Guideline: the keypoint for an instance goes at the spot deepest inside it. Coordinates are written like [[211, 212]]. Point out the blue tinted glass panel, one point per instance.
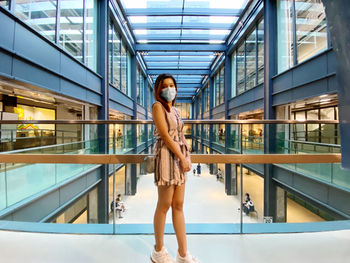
[[4, 3], [311, 28], [284, 35], [71, 27], [261, 52], [155, 19], [40, 14], [91, 34]]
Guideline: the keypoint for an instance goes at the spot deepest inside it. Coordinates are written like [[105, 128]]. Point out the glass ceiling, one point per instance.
[[174, 22]]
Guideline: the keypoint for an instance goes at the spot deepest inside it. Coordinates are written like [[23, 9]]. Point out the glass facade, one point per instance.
[[260, 44], [233, 74], [251, 60], [285, 49], [206, 98], [71, 27], [76, 23], [39, 14], [5, 3], [140, 87], [240, 69], [302, 31], [319, 133], [247, 68], [124, 68], [311, 28], [119, 62], [91, 34], [184, 109], [219, 87]]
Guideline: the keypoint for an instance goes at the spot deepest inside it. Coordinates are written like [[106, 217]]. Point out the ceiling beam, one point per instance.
[[178, 37], [161, 26], [184, 85], [179, 12], [181, 47], [186, 90], [167, 58], [179, 71]]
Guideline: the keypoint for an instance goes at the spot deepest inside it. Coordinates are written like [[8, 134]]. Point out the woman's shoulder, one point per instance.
[[157, 104]]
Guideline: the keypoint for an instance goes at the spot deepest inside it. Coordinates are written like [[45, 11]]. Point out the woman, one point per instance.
[[171, 162]]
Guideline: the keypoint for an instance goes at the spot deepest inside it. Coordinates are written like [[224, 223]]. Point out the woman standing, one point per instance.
[[171, 162]]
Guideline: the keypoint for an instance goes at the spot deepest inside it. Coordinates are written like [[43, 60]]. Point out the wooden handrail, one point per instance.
[[196, 158]]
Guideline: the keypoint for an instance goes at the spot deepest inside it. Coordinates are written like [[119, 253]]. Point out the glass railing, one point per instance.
[[64, 179]]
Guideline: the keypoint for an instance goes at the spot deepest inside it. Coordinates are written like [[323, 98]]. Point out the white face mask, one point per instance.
[[168, 94]]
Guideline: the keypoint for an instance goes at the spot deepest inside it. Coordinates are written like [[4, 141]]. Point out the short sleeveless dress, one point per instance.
[[167, 165]]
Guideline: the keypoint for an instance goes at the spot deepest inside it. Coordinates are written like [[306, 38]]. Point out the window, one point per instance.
[[115, 58], [284, 35], [248, 62], [260, 42], [311, 28], [206, 98], [91, 35], [140, 89], [222, 86], [251, 60], [124, 69], [240, 69], [71, 27], [5, 3], [40, 14], [233, 74], [309, 35]]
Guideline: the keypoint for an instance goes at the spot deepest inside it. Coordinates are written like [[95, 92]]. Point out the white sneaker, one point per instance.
[[187, 259], [161, 256]]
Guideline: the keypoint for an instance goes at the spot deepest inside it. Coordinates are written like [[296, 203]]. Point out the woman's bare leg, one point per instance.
[[179, 219], [165, 197]]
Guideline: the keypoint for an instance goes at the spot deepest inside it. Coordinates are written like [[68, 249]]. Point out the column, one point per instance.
[[131, 169], [270, 38], [338, 21], [281, 205], [103, 111], [92, 207], [211, 106]]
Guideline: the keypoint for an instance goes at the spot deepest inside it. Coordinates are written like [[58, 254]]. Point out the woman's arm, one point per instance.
[[160, 123]]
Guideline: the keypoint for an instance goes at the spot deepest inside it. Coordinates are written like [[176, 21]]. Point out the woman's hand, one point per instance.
[[184, 165]]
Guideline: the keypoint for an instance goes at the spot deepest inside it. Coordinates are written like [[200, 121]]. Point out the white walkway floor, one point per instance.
[[322, 247], [205, 202]]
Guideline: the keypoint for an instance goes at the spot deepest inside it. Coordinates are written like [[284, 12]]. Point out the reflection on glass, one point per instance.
[[233, 74], [284, 35], [114, 57], [5, 3], [40, 14], [124, 69], [91, 34], [251, 60], [261, 52], [184, 109], [311, 28], [71, 27], [140, 86], [240, 69], [222, 85]]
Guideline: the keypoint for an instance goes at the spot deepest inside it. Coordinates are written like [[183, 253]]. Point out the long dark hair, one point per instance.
[[158, 88]]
